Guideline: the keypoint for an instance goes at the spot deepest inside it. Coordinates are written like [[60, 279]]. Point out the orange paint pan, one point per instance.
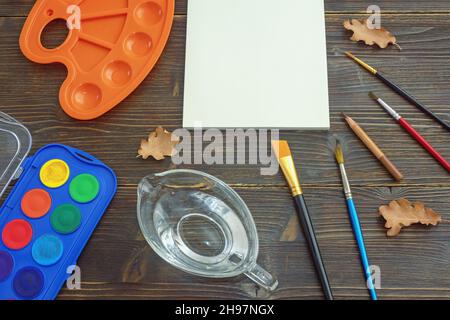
[[111, 47]]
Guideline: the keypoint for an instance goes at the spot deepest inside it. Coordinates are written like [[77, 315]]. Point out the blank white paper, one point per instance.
[[256, 64]]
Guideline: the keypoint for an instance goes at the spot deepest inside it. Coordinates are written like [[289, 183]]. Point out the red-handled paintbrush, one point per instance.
[[410, 129]]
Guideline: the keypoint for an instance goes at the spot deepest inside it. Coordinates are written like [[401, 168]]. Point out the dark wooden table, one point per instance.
[[117, 263]]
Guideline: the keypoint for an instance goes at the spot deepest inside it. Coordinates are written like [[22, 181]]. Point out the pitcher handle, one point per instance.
[[263, 278]]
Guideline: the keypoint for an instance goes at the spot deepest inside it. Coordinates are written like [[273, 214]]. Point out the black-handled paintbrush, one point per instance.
[[284, 156], [402, 92]]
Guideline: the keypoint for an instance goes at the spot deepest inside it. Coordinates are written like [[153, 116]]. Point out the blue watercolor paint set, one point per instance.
[[50, 214]]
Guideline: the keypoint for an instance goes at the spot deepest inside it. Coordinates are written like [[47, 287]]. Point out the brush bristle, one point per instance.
[[281, 148], [339, 153], [373, 96]]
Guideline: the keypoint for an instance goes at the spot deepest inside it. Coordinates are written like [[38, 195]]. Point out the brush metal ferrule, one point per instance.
[[345, 182], [288, 167], [389, 109], [362, 63]]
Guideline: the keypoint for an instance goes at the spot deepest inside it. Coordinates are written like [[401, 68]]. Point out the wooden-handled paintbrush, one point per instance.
[[372, 146], [286, 161], [355, 221]]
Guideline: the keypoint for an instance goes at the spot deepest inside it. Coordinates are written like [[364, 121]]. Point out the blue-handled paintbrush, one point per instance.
[[355, 221]]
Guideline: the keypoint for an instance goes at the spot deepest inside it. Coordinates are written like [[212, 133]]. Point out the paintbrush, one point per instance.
[[372, 146], [399, 90], [284, 156], [355, 221], [410, 129]]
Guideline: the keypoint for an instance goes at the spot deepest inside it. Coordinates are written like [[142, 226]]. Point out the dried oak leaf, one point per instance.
[[362, 32], [402, 213], [159, 144]]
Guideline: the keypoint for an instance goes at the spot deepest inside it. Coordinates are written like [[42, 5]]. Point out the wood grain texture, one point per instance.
[[20, 8], [414, 265]]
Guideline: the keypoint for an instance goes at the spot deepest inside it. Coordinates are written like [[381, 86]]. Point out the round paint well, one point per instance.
[[17, 234], [148, 13], [87, 96], [36, 203], [54, 173], [6, 265], [138, 44], [47, 250], [66, 219], [84, 188], [117, 73], [28, 283]]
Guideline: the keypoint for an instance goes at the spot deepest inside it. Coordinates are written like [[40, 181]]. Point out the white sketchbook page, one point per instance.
[[256, 63]]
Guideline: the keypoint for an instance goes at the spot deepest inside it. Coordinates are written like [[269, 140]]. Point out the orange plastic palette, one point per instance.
[[117, 44]]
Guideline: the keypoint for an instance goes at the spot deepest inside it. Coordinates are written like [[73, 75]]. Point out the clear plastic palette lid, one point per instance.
[[15, 142]]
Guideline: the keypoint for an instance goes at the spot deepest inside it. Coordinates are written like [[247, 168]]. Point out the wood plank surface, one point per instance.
[[22, 7], [414, 265]]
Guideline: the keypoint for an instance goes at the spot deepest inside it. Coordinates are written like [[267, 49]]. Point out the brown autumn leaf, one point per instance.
[[362, 32], [402, 213], [159, 144]]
